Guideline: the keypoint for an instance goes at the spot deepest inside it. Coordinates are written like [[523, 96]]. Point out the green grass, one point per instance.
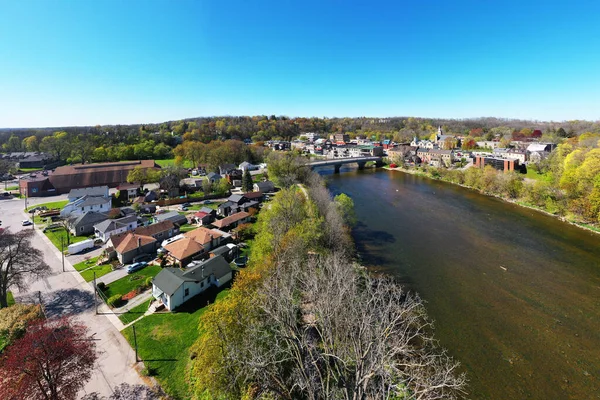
[[57, 234], [167, 339], [531, 174], [29, 169], [135, 312], [51, 205], [100, 270], [10, 298], [196, 195], [85, 264], [171, 161], [187, 228], [131, 281], [12, 188]]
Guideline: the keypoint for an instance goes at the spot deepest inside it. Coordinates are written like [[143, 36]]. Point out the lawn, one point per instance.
[[171, 161], [51, 205], [56, 234], [531, 174], [187, 228], [131, 281], [12, 188], [167, 337], [100, 270], [10, 298], [135, 312], [29, 169], [85, 264]]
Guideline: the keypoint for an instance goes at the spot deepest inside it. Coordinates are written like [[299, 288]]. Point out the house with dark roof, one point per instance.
[[225, 168], [213, 177], [159, 231], [264, 187], [172, 216], [105, 229], [174, 286], [94, 191], [83, 224]]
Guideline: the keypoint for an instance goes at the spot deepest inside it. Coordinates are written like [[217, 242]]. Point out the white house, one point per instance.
[[105, 229], [92, 191], [173, 286], [247, 166], [85, 204]]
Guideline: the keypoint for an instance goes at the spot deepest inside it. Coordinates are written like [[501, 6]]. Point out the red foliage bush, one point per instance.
[[393, 166], [129, 295]]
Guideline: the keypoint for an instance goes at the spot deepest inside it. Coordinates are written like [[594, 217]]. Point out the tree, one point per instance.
[[286, 168], [126, 391], [19, 261], [14, 320], [13, 144], [53, 361], [345, 205], [31, 143], [57, 145], [247, 183], [170, 178], [83, 148]]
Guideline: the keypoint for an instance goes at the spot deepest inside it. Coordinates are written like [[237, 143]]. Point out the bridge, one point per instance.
[[338, 162]]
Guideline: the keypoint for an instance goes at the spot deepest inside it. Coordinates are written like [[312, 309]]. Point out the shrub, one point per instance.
[[114, 301], [101, 286], [148, 371], [393, 166], [130, 295], [149, 281]]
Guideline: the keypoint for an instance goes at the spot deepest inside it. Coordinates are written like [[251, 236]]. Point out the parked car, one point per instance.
[[26, 222], [136, 267], [183, 208]]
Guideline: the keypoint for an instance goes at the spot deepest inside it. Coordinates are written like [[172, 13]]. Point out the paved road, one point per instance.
[[68, 294]]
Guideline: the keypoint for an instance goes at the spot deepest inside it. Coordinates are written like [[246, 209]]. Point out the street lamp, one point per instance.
[[62, 251]]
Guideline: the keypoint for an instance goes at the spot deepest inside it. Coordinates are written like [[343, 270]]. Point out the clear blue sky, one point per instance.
[[84, 62]]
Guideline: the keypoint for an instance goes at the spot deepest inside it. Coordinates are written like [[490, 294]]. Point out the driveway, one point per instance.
[[112, 276], [66, 293]]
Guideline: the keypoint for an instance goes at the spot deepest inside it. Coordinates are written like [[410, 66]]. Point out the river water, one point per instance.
[[514, 293]]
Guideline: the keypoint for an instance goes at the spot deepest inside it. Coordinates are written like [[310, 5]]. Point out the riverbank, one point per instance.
[[588, 227]]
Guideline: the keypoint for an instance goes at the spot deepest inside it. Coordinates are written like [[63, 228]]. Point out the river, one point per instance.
[[514, 293]]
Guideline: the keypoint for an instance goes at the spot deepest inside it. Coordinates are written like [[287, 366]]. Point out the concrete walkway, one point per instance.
[[67, 293], [136, 301]]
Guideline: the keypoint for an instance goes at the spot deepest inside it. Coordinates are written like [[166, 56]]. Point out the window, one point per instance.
[[202, 284], [81, 229], [186, 292]]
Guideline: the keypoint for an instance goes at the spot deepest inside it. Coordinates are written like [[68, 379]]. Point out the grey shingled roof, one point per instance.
[[170, 279], [92, 201], [112, 224], [88, 218], [90, 191]]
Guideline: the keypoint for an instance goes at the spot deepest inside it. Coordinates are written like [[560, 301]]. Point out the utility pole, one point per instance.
[[135, 343], [95, 293], [62, 251]]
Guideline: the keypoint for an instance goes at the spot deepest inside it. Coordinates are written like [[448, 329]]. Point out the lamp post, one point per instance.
[[62, 251]]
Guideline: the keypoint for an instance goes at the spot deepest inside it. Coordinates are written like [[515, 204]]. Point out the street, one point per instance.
[[66, 293]]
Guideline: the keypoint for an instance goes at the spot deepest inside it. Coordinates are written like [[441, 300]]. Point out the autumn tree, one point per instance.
[[52, 361], [14, 320], [19, 262], [58, 145], [287, 168], [31, 143]]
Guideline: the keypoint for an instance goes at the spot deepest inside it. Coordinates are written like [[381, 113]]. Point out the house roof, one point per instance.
[[131, 241], [153, 229], [88, 191], [89, 217], [173, 216], [127, 186], [219, 251], [201, 214], [202, 235], [92, 201], [170, 279], [113, 224], [226, 204], [207, 210], [267, 186], [536, 147], [213, 175], [231, 219], [235, 198], [253, 195], [184, 248]]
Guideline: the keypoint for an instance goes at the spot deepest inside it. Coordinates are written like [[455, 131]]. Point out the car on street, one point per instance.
[[136, 267], [26, 222]]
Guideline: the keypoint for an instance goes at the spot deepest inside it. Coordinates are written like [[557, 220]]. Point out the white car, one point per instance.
[[26, 222]]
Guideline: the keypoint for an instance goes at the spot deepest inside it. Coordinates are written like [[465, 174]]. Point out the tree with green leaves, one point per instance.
[[247, 182]]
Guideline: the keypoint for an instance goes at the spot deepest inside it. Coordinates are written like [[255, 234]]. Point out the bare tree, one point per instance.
[[126, 391], [19, 262]]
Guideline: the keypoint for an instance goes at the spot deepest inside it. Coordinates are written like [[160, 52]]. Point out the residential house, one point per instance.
[[254, 196], [208, 238], [246, 166], [86, 204], [105, 229], [174, 286], [205, 216], [225, 168], [83, 224], [130, 245], [228, 251], [148, 208], [150, 196], [93, 191], [183, 251], [172, 216], [232, 221], [213, 177], [264, 187], [159, 231], [128, 191]]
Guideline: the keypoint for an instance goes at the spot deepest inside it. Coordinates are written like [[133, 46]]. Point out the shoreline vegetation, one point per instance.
[[519, 202], [304, 320]]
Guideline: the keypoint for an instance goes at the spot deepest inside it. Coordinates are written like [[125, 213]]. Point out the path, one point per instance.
[[67, 293]]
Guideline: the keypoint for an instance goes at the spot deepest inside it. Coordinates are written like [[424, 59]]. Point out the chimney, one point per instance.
[[139, 242], [211, 240]]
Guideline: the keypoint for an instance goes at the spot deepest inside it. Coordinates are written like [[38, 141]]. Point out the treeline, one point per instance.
[[116, 140], [568, 184], [217, 153], [303, 321]]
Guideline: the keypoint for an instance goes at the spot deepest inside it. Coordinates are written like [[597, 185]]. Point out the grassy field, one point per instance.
[[164, 341], [531, 174], [57, 234], [100, 270], [12, 188], [187, 228], [85, 264], [131, 281], [135, 312], [29, 169], [51, 205], [171, 161]]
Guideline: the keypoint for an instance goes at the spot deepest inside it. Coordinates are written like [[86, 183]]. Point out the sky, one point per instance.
[[80, 62]]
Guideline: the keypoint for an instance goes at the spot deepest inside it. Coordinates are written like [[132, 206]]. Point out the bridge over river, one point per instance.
[[338, 162]]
